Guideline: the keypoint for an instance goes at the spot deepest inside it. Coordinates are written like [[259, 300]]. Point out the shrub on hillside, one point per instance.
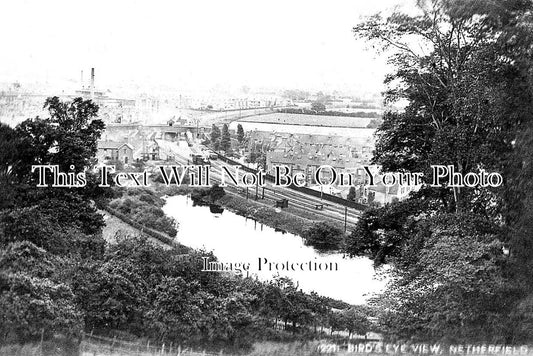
[[323, 236], [144, 207]]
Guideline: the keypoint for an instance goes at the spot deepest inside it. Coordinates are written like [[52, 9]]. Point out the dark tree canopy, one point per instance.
[[215, 136], [240, 133], [463, 68], [323, 236], [68, 137], [225, 139], [45, 230], [318, 106]]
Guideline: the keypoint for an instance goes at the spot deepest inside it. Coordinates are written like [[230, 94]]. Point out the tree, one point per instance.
[[112, 295], [33, 298], [262, 160], [351, 194], [382, 233], [323, 236], [454, 286], [318, 106], [8, 157], [68, 137], [176, 309], [45, 231], [225, 139], [31, 307], [216, 192], [257, 156], [337, 321], [8, 150], [144, 207], [467, 84], [25, 257], [356, 320], [240, 133], [295, 94], [215, 137], [448, 119], [374, 123], [63, 224]]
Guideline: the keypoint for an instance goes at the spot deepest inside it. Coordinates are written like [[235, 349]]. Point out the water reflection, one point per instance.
[[269, 252]]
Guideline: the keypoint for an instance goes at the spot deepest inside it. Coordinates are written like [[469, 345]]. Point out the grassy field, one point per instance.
[[93, 345], [115, 227], [103, 346], [106, 348], [311, 120], [21, 350]]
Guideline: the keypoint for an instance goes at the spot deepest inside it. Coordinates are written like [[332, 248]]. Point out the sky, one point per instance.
[[192, 45]]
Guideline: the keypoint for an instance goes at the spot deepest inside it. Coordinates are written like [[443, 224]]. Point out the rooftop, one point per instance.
[[112, 145]]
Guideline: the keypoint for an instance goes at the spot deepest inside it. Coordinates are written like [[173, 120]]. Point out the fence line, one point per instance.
[[93, 344], [143, 228]]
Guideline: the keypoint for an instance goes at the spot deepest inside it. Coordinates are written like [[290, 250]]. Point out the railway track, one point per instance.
[[323, 210]]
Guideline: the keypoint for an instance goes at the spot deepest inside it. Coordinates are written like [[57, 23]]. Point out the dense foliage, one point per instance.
[[461, 256], [215, 137], [323, 237], [240, 133], [58, 276], [225, 139], [44, 230], [144, 207]]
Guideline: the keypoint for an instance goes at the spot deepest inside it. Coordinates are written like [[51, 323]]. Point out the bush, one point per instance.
[[32, 307], [323, 236], [144, 207]]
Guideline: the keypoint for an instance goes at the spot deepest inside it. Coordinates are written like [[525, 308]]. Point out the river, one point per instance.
[[236, 239]]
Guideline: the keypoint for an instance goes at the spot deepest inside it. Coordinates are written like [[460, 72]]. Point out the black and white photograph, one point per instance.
[[266, 178]]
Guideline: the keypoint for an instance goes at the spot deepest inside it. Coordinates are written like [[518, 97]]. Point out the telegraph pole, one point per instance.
[[197, 129], [345, 217]]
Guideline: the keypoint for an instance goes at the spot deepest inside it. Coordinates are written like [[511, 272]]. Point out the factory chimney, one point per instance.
[[92, 83], [81, 79]]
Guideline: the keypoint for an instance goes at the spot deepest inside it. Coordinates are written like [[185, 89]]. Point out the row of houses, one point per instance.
[[305, 153], [126, 152]]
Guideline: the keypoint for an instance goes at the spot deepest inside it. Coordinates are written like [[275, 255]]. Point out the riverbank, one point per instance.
[[115, 228], [290, 219], [264, 214]]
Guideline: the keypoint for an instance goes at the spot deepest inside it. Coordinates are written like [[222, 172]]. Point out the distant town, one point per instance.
[[294, 128]]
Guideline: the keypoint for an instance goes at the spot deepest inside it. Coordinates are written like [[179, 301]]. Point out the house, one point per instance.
[[306, 153], [115, 151], [150, 151], [382, 194]]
